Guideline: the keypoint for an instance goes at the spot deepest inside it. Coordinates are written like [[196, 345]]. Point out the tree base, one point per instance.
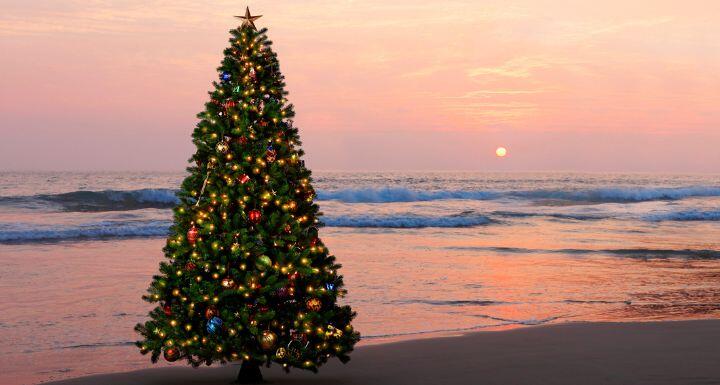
[[249, 373]]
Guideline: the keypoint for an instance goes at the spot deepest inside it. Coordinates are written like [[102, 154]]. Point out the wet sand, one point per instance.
[[681, 352]]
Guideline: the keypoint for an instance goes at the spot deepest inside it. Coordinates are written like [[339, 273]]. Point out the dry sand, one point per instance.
[[684, 352]]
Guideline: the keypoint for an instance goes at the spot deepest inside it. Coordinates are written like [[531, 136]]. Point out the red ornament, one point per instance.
[[254, 216], [294, 276], [167, 310], [171, 354], [192, 234], [313, 242], [243, 140], [190, 266], [230, 104], [211, 311], [263, 123], [244, 178]]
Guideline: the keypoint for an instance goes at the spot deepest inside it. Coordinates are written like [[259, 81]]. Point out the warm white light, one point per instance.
[[501, 152]]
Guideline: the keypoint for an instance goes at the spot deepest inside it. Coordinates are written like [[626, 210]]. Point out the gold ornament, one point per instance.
[[248, 19], [267, 340], [227, 282], [281, 353], [222, 147], [313, 304]]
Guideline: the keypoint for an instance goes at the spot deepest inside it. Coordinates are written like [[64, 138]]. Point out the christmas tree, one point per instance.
[[247, 278]]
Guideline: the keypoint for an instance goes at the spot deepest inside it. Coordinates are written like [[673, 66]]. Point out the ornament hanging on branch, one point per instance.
[[211, 312], [214, 325], [254, 216], [313, 304], [227, 282], [222, 147], [270, 154], [171, 354], [229, 104], [263, 262], [267, 340], [244, 178], [192, 234]]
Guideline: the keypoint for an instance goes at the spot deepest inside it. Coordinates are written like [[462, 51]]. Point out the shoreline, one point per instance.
[[664, 352]]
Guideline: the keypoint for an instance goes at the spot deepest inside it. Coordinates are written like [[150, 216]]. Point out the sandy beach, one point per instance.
[[682, 352]]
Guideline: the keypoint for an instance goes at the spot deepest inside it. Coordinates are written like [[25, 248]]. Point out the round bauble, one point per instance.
[[267, 340], [190, 266], [171, 354], [313, 304], [254, 216], [222, 147], [214, 325], [167, 309], [281, 353], [263, 262]]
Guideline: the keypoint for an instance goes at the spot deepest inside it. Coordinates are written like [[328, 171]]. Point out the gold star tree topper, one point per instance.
[[248, 19]]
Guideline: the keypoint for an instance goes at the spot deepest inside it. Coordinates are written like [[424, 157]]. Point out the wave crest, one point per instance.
[[686, 215], [598, 195], [118, 200]]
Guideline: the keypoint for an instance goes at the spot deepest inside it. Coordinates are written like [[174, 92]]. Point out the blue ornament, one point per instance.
[[214, 325], [330, 286], [225, 76]]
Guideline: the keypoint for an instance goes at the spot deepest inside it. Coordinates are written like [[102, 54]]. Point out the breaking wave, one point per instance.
[[686, 215], [29, 232], [599, 195], [116, 200], [108, 200], [407, 221]]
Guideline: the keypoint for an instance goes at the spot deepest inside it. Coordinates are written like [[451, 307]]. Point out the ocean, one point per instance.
[[423, 253]]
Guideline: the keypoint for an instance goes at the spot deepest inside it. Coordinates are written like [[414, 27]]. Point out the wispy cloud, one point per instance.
[[520, 67]]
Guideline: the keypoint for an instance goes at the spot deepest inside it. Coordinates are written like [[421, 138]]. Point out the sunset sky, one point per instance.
[[377, 85]]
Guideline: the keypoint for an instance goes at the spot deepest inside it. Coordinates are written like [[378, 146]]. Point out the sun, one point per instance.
[[501, 152]]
